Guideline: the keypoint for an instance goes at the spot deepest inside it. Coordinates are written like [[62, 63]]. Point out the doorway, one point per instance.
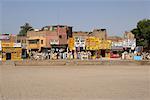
[[8, 56], [103, 53]]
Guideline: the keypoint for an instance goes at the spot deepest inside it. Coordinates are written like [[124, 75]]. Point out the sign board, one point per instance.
[[129, 43], [92, 43], [54, 41], [117, 44], [7, 44], [4, 37], [17, 45], [79, 42]]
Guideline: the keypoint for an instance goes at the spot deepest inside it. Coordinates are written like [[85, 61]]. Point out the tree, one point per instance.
[[24, 29], [142, 33]]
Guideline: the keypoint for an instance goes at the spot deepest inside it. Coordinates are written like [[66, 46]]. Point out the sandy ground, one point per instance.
[[75, 83]]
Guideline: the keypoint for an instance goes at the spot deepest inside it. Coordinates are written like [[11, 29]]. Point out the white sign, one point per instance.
[[79, 42], [54, 42], [17, 45], [129, 43], [117, 44]]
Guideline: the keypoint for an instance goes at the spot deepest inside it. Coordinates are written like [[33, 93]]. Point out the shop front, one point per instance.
[[105, 48], [92, 46], [11, 51]]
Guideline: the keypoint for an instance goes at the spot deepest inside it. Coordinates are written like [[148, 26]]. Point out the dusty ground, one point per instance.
[[75, 83]]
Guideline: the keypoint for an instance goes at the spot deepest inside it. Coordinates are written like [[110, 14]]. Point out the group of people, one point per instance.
[[60, 55]]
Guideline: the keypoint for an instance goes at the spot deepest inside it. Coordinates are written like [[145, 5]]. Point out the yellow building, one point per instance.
[[36, 43], [98, 47], [92, 43], [11, 51]]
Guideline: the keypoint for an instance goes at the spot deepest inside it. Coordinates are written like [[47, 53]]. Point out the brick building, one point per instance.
[[49, 37]]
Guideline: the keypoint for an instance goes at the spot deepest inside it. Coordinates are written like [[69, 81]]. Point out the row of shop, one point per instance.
[[89, 48], [101, 48]]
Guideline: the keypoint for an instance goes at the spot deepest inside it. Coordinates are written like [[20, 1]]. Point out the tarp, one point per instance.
[[137, 58]]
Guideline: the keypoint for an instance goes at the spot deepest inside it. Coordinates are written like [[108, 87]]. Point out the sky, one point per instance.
[[117, 16]]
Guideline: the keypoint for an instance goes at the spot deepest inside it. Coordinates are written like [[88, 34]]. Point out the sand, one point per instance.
[[75, 82]]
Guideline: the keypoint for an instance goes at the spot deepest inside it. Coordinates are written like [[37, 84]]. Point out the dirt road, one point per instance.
[[75, 83]]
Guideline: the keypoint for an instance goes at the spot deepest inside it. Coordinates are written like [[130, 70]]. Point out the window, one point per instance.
[[33, 41], [60, 36], [41, 41], [18, 41]]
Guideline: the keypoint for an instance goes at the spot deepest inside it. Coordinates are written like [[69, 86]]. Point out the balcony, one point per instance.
[[33, 46]]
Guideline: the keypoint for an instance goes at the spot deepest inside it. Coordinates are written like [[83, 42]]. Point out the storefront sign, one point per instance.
[[11, 49], [129, 43], [92, 43], [79, 42], [17, 45], [117, 44], [7, 44]]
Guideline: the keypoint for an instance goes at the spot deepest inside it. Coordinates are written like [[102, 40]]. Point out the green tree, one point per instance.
[[142, 33], [26, 27]]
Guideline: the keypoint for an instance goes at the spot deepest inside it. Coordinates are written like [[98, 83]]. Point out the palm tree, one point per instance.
[[26, 27]]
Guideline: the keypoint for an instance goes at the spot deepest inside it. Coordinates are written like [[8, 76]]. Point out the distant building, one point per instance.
[[10, 49], [129, 35], [99, 33]]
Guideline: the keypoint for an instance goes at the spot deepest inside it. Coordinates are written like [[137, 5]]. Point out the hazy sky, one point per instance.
[[116, 16]]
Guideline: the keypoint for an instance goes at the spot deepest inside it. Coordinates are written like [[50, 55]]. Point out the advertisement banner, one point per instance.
[[117, 44], [92, 43], [7, 44], [17, 45], [129, 43], [79, 42]]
